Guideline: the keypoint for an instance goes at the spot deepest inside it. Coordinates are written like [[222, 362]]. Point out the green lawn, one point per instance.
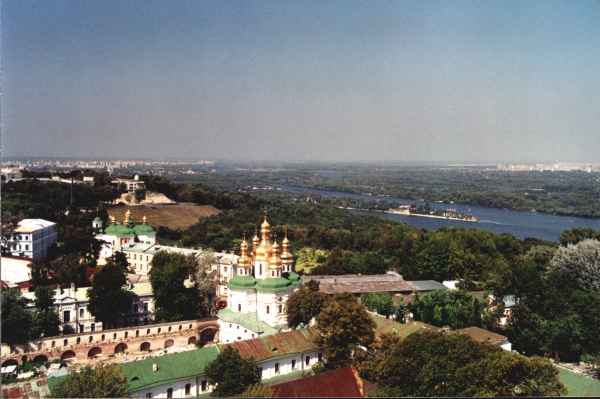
[[579, 385]]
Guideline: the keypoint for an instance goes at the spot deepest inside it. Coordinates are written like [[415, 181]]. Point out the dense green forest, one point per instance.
[[564, 193], [558, 309]]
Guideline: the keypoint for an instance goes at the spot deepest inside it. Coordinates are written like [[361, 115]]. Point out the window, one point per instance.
[[92, 327], [148, 332], [293, 364], [276, 368], [65, 342], [280, 307], [53, 344], [239, 307], [268, 309], [81, 312], [170, 393], [307, 360], [137, 333], [159, 330], [78, 340], [188, 388], [81, 328], [126, 334], [26, 247], [90, 339], [66, 316], [260, 268], [149, 394], [272, 273], [203, 385], [114, 335], [103, 337], [145, 307], [169, 328]]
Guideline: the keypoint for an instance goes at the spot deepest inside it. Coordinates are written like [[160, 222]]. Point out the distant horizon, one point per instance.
[[301, 161], [342, 80]]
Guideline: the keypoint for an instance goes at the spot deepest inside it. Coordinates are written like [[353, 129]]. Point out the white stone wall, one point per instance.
[[231, 332], [178, 388], [243, 301], [273, 300], [288, 364]]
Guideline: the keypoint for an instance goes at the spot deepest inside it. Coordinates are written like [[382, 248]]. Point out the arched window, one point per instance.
[[239, 307], [268, 309]]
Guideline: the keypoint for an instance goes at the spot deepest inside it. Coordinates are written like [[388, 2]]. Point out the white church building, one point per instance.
[[258, 293]]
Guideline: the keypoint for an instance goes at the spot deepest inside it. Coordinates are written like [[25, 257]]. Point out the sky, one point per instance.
[[302, 80]]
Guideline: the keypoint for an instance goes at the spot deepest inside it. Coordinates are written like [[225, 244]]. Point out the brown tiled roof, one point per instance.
[[339, 383], [359, 284], [277, 345], [481, 335]]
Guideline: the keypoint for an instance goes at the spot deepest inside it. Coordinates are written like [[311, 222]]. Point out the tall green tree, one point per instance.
[[175, 294], [103, 381], [456, 309], [231, 374], [45, 319], [380, 302], [305, 304], [16, 319], [437, 364], [109, 300], [343, 326], [578, 264]]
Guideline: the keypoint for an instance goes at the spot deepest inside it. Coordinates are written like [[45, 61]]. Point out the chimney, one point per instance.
[[154, 367]]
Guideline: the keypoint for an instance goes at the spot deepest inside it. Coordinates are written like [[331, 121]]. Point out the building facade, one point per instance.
[[71, 305], [32, 238], [258, 292]]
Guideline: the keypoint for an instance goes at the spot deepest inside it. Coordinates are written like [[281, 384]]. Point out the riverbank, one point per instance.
[[518, 223]]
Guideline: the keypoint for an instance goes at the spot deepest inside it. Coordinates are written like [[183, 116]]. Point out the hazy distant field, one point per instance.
[[180, 216]]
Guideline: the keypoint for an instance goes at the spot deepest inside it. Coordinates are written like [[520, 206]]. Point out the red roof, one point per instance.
[[339, 383], [276, 345]]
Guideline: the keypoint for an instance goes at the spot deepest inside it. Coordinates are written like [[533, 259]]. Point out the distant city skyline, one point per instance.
[[465, 81]]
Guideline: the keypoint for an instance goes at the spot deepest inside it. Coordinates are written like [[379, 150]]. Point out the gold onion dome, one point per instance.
[[275, 260], [127, 216], [244, 260]]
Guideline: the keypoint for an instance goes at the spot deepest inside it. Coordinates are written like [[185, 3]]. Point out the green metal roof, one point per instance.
[[171, 368], [246, 320], [273, 284], [119, 230], [143, 229], [242, 282]]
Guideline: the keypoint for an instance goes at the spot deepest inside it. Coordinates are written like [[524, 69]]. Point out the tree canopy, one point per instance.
[[231, 374], [16, 320], [175, 282], [109, 300], [305, 304], [456, 309], [438, 364], [343, 326], [103, 381]]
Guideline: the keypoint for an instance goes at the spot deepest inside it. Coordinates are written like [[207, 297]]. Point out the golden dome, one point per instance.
[[127, 216], [274, 260], [244, 260]]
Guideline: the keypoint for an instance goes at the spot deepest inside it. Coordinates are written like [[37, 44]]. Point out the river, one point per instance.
[[518, 223]]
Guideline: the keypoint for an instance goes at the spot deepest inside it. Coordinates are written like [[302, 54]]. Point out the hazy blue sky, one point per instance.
[[331, 80]]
